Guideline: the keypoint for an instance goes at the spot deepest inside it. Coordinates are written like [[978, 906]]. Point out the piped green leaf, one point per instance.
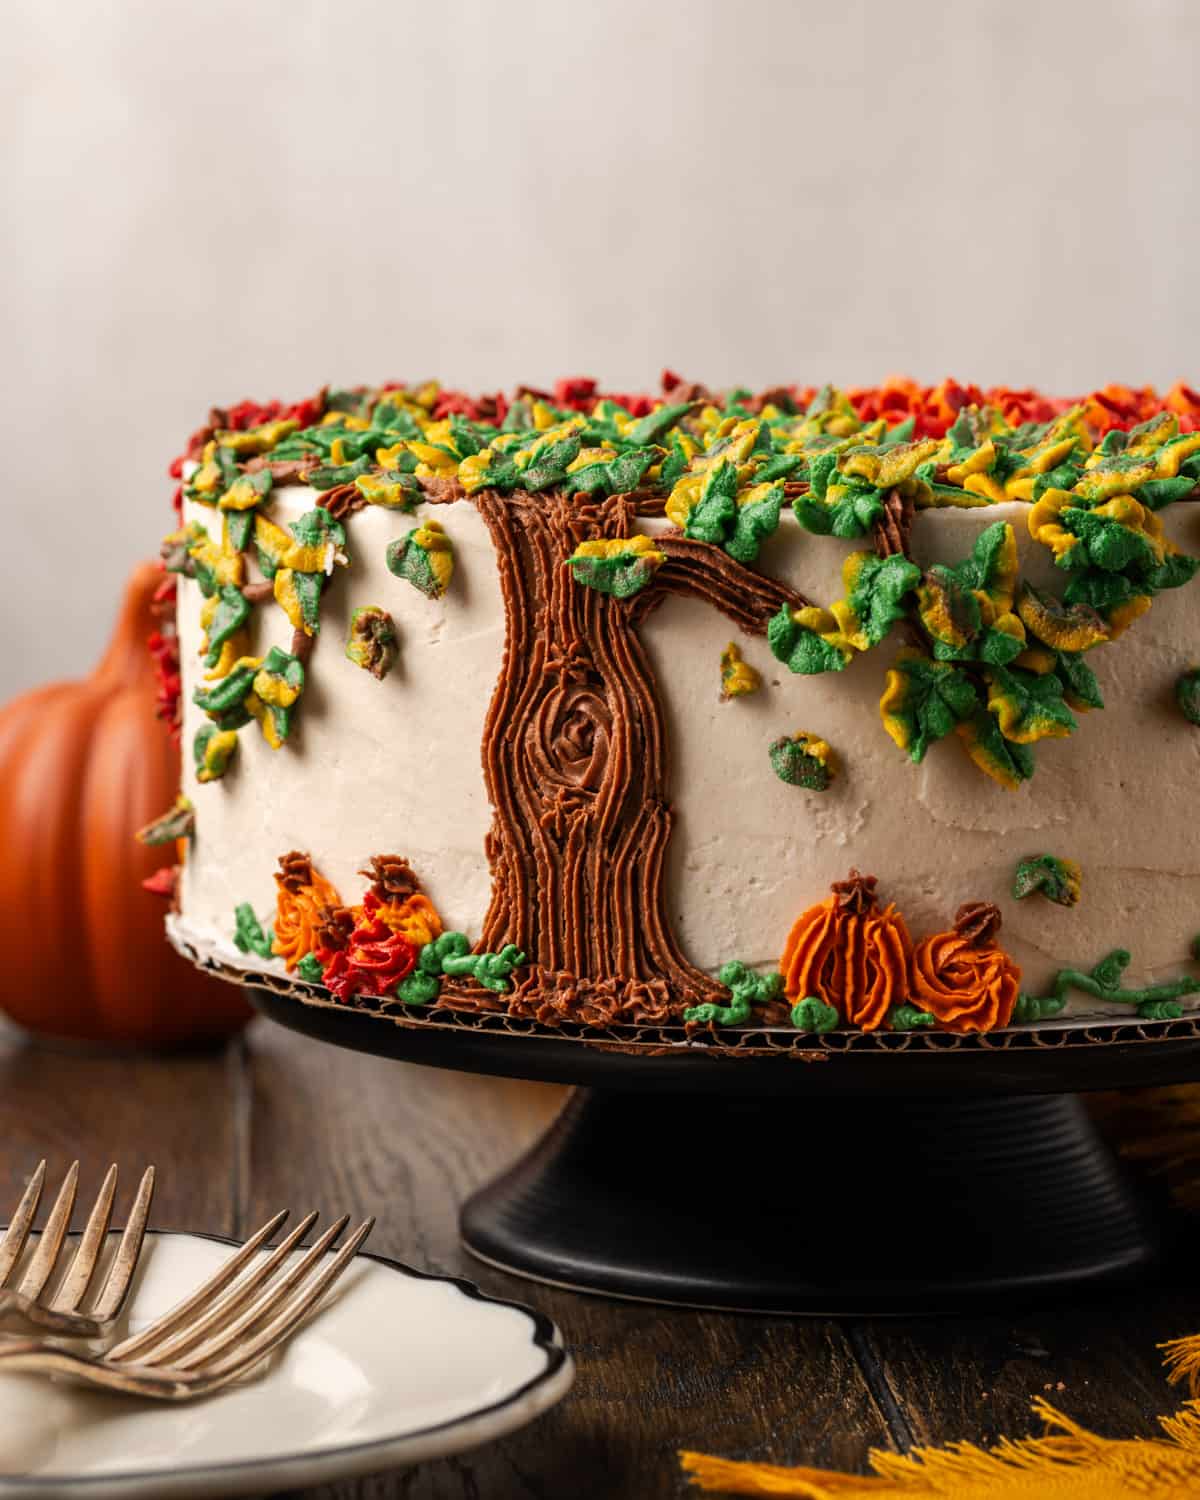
[[1029, 706], [1056, 879], [923, 701], [876, 590], [621, 567], [230, 616]]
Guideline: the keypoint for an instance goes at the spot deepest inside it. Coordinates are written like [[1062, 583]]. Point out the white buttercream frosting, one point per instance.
[[373, 767], [395, 766]]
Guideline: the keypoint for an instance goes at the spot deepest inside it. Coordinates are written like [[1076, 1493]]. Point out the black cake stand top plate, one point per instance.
[[918, 1129], [1104, 1054]]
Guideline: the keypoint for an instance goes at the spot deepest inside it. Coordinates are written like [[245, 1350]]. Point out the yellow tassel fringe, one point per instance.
[[1068, 1463], [1160, 1130]]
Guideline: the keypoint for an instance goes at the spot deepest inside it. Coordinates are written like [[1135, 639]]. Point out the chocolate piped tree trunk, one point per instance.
[[575, 761]]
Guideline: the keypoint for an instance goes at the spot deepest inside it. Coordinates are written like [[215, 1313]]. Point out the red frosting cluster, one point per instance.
[[241, 418], [935, 407], [163, 645], [373, 962]]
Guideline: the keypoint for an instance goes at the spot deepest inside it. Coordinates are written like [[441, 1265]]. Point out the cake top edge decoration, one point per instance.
[[933, 409]]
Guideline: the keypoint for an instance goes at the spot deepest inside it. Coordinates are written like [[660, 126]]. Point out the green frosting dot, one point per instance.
[[310, 970], [811, 1014], [1160, 1010], [1187, 695], [1030, 1008], [909, 1018], [418, 989]]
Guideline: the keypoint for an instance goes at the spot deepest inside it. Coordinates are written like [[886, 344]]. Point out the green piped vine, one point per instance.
[[249, 934], [451, 955], [1153, 1002], [1187, 695], [746, 990]]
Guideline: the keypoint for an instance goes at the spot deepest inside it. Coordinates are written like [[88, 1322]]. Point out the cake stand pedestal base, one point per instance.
[[856, 1206]]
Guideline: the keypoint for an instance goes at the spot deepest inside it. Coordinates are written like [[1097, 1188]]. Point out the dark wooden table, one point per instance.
[[276, 1120]]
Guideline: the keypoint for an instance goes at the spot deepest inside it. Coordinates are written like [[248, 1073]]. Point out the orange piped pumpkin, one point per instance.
[[963, 977], [850, 954], [82, 766]]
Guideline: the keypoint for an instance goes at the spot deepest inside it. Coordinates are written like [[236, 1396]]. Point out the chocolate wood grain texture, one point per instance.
[[277, 1119]]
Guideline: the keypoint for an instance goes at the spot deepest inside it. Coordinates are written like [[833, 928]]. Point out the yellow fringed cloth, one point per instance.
[[1159, 1130], [1068, 1463]]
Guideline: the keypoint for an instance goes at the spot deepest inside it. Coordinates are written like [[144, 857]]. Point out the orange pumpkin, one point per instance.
[[962, 977], [849, 954], [82, 766]]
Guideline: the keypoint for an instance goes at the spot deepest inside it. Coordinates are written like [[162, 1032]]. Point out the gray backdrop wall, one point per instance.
[[204, 201]]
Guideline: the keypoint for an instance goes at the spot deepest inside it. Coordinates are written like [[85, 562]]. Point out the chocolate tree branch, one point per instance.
[[700, 570]]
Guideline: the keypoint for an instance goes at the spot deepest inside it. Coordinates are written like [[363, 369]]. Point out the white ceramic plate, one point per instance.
[[398, 1367]]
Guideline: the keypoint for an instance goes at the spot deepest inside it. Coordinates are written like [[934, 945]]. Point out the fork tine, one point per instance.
[[87, 1253], [116, 1283], [202, 1295], [18, 1230], [163, 1350], [245, 1356], [50, 1241], [276, 1292]]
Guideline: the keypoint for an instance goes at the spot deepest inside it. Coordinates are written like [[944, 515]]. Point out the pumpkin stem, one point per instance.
[[978, 922], [295, 871], [392, 877], [333, 928], [856, 893]]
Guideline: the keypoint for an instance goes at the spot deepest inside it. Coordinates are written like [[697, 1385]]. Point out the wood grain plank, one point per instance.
[[341, 1131], [345, 1133], [171, 1111], [1095, 1358]]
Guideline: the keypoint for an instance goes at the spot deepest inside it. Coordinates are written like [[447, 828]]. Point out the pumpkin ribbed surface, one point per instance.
[[856, 961], [82, 766]]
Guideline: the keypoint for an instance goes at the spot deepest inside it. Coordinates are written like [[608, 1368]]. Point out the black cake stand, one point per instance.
[[875, 1174]]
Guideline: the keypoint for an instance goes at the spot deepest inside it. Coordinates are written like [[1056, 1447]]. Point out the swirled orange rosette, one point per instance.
[[415, 918], [962, 977], [396, 899], [302, 895], [850, 954]]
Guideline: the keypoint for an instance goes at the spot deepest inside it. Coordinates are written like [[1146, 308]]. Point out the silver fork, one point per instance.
[[63, 1312], [214, 1336]]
